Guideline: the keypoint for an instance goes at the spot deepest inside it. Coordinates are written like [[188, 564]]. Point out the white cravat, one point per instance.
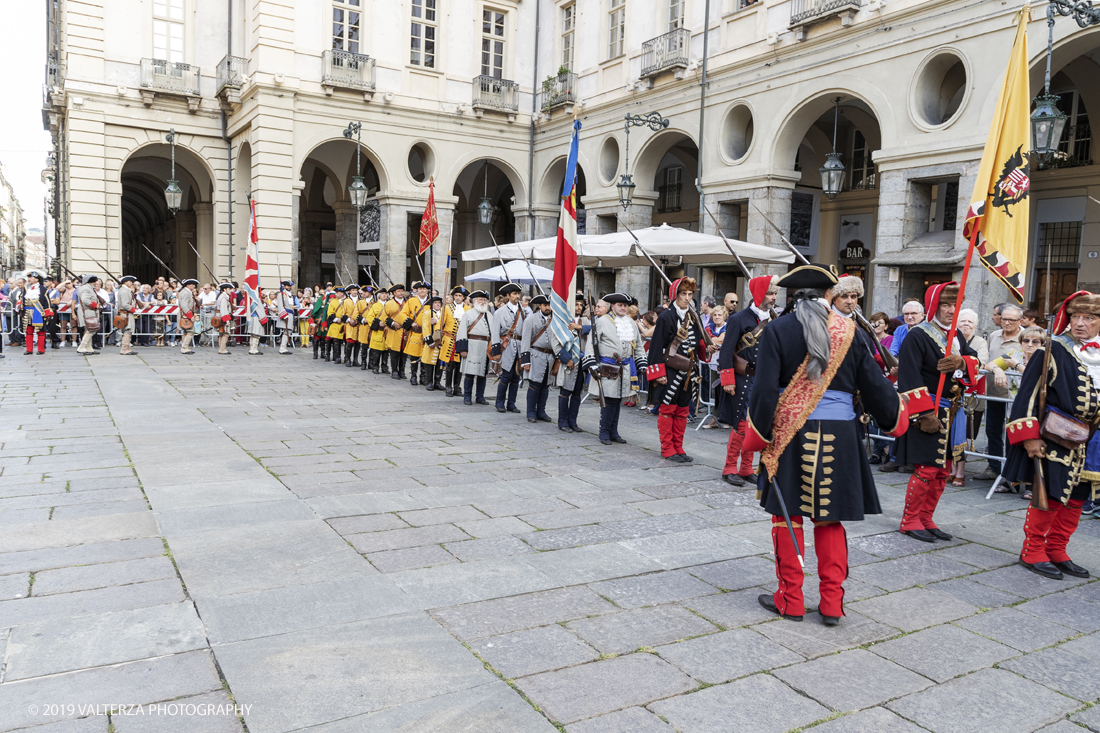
[[761, 314], [839, 313]]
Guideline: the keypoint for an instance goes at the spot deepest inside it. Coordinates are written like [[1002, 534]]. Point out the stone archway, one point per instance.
[[481, 179]]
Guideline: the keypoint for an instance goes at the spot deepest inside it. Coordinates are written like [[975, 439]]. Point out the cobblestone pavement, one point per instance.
[[290, 545]]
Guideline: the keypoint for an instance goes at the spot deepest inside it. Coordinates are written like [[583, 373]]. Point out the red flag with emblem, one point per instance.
[[429, 223]]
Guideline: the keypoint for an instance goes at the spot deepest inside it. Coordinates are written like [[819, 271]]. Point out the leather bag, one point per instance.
[[1066, 431], [121, 320]]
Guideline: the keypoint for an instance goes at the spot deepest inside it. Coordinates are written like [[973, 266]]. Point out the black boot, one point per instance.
[[468, 391], [398, 365], [384, 359], [337, 346], [449, 378], [375, 356], [429, 374], [424, 377], [326, 347], [352, 359], [316, 347], [366, 357], [413, 364], [437, 374]]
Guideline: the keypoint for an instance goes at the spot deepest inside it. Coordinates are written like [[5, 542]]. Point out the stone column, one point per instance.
[[296, 232], [392, 248], [204, 241], [440, 278], [635, 280], [347, 253], [309, 242]]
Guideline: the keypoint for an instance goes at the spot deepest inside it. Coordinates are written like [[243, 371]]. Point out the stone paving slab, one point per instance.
[[811, 638], [592, 563], [943, 652], [730, 610], [1071, 674], [718, 658], [500, 616], [969, 704], [682, 549], [913, 609], [69, 532], [89, 602], [589, 690], [619, 633], [649, 590], [829, 680], [631, 720], [14, 586], [1016, 629], [879, 720], [90, 577], [757, 704], [160, 719], [486, 549], [529, 652]]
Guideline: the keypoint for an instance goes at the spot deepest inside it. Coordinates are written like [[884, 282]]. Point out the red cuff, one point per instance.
[[754, 441], [1026, 428], [93, 304], [970, 366], [903, 420], [918, 401], [729, 377], [190, 315], [655, 371]]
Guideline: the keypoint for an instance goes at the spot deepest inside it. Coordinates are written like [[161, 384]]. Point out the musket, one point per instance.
[[740, 262], [530, 272], [501, 258], [378, 261], [888, 359], [779, 231], [372, 280], [1039, 498], [79, 279], [166, 267], [213, 277], [105, 270]]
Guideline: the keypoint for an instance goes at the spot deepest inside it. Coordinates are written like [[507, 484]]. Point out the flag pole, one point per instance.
[[955, 318]]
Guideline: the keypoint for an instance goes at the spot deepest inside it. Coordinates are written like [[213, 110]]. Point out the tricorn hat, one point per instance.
[[808, 276], [459, 290], [339, 289], [540, 300], [509, 289], [616, 298], [190, 281], [225, 286], [87, 278], [479, 294], [287, 283], [127, 279], [435, 299], [397, 286]]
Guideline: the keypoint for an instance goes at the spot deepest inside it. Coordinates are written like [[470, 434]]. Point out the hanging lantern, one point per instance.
[[626, 188], [357, 192], [832, 175], [173, 195], [485, 212], [1047, 125]]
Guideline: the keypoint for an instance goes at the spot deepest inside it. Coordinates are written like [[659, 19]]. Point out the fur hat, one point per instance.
[[681, 283], [848, 284], [941, 293], [1080, 302], [759, 286]]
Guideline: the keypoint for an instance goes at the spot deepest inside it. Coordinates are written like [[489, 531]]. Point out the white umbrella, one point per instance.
[[603, 246], [517, 273]]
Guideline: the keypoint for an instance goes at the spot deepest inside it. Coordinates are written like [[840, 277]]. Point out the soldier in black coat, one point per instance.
[[941, 432], [742, 333], [802, 416], [1070, 473], [672, 370]]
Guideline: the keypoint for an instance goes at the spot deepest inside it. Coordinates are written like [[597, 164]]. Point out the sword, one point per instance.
[[787, 519]]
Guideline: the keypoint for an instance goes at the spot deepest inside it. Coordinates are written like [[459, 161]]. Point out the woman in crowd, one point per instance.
[[975, 408], [881, 323], [160, 320], [305, 300], [646, 324], [716, 329], [144, 298]]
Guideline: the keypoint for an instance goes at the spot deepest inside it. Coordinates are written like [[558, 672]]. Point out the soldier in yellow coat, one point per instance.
[[349, 313], [376, 333], [449, 359], [336, 326], [431, 320], [394, 331], [414, 336], [366, 302]]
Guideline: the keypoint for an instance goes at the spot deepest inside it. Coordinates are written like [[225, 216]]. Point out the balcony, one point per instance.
[[500, 95], [347, 70], [230, 77], [670, 51], [559, 91], [53, 73], [166, 77], [805, 13]]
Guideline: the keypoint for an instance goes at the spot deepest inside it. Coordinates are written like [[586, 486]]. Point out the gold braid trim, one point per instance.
[[801, 396]]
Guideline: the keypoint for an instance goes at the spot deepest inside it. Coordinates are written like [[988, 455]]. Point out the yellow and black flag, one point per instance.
[[997, 221]]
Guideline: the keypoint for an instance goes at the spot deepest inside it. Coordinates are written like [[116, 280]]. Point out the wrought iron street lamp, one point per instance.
[[485, 208], [1047, 121], [654, 121], [173, 195], [833, 172], [357, 192]]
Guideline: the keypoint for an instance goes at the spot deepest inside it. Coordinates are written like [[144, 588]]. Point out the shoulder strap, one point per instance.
[[542, 330], [474, 324]]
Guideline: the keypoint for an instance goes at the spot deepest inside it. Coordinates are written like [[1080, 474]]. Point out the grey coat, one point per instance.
[[284, 302], [87, 295], [567, 376], [476, 361], [185, 299], [222, 306], [538, 353], [610, 346], [502, 321], [125, 303]]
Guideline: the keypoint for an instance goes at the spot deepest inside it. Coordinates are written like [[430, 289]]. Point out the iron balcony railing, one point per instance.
[[231, 72], [666, 52], [559, 90], [53, 73], [347, 70], [493, 93], [804, 11], [166, 76]]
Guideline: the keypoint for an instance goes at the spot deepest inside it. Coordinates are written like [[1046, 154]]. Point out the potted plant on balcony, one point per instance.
[[557, 88]]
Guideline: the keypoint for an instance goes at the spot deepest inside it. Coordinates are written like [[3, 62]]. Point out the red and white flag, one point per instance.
[[252, 268]]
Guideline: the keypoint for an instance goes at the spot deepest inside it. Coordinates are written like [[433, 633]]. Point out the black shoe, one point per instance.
[[513, 409], [687, 458], [501, 409], [939, 534], [874, 461], [575, 429], [482, 402], [618, 439], [733, 479], [830, 620], [888, 468], [1069, 567], [678, 458], [467, 401], [547, 418], [531, 419], [450, 392], [395, 375], [605, 441], [919, 534], [1045, 569], [905, 469], [565, 428], [766, 600], [752, 478]]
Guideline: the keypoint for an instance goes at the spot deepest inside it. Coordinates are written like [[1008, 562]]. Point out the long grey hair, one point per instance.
[[814, 317]]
